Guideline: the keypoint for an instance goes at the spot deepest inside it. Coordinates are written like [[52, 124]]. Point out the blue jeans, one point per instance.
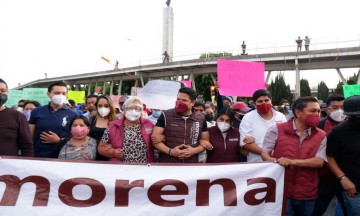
[[352, 204], [299, 207]]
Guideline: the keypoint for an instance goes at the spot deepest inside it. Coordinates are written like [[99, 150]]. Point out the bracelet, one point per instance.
[[169, 153], [342, 177]]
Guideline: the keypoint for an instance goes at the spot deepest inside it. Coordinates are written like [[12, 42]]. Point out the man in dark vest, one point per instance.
[[178, 131], [299, 146]]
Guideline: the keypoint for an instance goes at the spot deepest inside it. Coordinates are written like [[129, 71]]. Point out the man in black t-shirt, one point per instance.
[[343, 152]]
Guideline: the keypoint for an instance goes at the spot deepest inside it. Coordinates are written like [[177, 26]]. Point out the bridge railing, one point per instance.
[[252, 48]]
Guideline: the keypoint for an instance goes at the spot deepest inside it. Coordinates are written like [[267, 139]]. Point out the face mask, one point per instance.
[[79, 132], [180, 107], [312, 120], [20, 109], [338, 115], [209, 117], [156, 114], [264, 108], [223, 126], [58, 99], [3, 99], [132, 115], [27, 114], [287, 108], [104, 111]]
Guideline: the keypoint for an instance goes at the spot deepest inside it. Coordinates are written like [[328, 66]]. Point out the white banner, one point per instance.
[[160, 94], [59, 187]]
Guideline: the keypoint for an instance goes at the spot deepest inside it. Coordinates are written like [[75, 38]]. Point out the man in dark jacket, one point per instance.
[[182, 130]]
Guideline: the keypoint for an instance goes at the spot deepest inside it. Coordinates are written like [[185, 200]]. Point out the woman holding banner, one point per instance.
[[129, 138], [98, 123], [224, 139]]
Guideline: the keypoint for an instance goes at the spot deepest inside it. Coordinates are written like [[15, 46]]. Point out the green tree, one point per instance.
[[323, 91], [304, 88], [215, 55], [279, 90], [351, 81], [202, 84]]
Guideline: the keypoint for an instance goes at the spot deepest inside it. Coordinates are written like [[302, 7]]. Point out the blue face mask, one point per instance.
[[156, 114]]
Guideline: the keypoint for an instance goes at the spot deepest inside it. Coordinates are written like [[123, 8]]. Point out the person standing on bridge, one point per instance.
[[307, 43], [299, 44]]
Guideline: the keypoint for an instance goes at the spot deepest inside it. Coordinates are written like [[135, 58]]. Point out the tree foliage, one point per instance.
[[215, 55], [323, 91], [202, 84], [351, 81], [279, 90], [304, 88]]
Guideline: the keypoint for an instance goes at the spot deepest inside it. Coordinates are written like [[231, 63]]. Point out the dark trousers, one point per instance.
[[329, 187]]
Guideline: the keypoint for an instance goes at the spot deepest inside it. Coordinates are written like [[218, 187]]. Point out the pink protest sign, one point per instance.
[[239, 78], [187, 83]]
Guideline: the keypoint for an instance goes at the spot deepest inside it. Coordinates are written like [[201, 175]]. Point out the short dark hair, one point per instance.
[[301, 103], [334, 97], [226, 111], [59, 83], [91, 96], [2, 81], [199, 103], [259, 93], [71, 102], [84, 118], [189, 91], [36, 104]]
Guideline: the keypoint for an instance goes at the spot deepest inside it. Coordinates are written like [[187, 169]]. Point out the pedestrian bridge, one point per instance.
[[285, 61]]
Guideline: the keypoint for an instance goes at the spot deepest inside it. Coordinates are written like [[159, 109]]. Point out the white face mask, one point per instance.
[[104, 111], [20, 109], [132, 115], [338, 115], [58, 99], [223, 126]]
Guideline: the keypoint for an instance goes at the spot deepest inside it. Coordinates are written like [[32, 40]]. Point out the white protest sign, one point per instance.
[[160, 94]]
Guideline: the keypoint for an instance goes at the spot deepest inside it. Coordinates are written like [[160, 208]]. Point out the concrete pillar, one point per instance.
[[297, 85], [343, 80], [213, 78], [268, 77], [358, 81], [111, 87], [168, 31], [192, 78], [89, 89], [120, 85], [104, 88]]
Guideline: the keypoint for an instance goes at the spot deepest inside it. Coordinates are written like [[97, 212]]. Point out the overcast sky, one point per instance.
[[70, 36]]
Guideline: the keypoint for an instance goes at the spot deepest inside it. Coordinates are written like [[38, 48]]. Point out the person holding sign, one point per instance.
[[14, 132], [183, 130], [49, 124]]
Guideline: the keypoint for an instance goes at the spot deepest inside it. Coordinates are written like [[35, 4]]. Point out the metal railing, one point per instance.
[[345, 41]]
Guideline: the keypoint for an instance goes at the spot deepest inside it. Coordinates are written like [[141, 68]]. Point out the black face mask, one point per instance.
[[3, 99], [209, 117]]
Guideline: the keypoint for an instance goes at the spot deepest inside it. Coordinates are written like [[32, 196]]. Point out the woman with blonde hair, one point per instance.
[[129, 138], [105, 114]]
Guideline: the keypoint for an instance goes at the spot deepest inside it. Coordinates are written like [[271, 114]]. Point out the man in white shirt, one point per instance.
[[255, 124]]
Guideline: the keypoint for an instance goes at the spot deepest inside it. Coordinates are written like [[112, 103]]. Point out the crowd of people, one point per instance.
[[320, 156]]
